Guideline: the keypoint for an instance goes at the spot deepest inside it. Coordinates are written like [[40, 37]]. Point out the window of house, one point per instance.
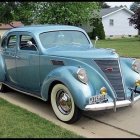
[[111, 22], [11, 41], [130, 24]]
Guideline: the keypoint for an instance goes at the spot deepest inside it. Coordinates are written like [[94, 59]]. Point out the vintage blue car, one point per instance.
[[59, 63]]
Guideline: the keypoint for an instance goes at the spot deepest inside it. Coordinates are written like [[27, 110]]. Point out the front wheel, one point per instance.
[[63, 104]]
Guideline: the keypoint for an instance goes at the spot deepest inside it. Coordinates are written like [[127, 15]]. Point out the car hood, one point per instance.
[[82, 52]]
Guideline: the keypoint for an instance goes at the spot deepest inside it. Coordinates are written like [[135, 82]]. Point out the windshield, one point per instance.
[[63, 38]]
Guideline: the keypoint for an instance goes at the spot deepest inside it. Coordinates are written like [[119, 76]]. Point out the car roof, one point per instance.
[[44, 28]]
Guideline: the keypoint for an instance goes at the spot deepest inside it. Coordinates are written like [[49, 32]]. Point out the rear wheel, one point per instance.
[[63, 104]]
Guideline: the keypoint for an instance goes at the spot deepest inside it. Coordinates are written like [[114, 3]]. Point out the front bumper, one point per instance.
[[115, 104]]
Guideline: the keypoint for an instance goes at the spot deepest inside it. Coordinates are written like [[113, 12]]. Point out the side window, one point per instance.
[[24, 45], [11, 41]]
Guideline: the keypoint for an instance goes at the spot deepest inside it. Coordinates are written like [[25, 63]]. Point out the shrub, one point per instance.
[[136, 36], [90, 35], [98, 29]]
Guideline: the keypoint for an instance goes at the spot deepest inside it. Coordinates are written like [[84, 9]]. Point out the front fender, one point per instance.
[[129, 75], [67, 75], [2, 69]]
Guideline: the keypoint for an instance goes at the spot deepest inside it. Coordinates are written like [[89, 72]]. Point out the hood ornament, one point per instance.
[[109, 69], [112, 50]]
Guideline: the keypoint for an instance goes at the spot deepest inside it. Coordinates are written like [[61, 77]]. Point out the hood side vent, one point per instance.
[[57, 62]]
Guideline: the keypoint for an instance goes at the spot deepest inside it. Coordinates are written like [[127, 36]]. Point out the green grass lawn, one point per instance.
[[129, 47], [16, 122]]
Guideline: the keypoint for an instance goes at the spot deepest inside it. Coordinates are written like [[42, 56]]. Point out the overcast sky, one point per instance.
[[113, 4]]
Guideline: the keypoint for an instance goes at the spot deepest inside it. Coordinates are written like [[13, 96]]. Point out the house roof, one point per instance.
[[8, 26], [108, 11]]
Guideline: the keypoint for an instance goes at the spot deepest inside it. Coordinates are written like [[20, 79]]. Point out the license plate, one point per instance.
[[97, 99]]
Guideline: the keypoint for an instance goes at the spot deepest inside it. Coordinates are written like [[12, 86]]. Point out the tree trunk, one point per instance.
[[12, 25]]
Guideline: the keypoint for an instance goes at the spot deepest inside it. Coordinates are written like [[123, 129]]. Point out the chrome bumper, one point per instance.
[[114, 105]]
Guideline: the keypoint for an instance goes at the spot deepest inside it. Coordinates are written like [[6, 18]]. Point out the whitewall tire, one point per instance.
[[63, 104]]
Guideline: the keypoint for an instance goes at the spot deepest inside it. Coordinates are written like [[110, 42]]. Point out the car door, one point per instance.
[[27, 63], [9, 53]]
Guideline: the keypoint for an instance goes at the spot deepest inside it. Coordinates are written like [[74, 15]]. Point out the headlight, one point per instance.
[[136, 65], [82, 76]]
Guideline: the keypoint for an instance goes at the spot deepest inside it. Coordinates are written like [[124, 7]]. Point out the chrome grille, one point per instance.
[[114, 75]]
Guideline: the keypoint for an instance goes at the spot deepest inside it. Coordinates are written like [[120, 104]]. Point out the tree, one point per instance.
[[22, 11], [98, 29], [103, 5], [6, 9], [135, 19], [73, 13], [134, 6]]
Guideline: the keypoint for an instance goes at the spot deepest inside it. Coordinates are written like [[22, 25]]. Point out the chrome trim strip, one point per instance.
[[114, 108], [27, 93], [105, 58], [122, 77]]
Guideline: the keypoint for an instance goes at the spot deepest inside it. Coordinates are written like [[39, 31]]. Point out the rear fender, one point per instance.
[[2, 69]]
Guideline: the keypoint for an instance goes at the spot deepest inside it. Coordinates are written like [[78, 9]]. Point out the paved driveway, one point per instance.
[[125, 123]]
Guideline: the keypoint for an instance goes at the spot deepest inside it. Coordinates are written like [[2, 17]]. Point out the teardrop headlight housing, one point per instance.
[[136, 65], [82, 75]]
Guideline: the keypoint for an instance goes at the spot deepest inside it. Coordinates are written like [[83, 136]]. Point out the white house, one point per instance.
[[116, 23]]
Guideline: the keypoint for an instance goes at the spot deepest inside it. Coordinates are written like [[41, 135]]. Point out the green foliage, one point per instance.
[[73, 13], [90, 35], [103, 5], [134, 6], [98, 29], [6, 9], [24, 12], [19, 11], [135, 19]]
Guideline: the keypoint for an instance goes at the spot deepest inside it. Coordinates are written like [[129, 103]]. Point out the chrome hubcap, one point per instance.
[[63, 102]]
